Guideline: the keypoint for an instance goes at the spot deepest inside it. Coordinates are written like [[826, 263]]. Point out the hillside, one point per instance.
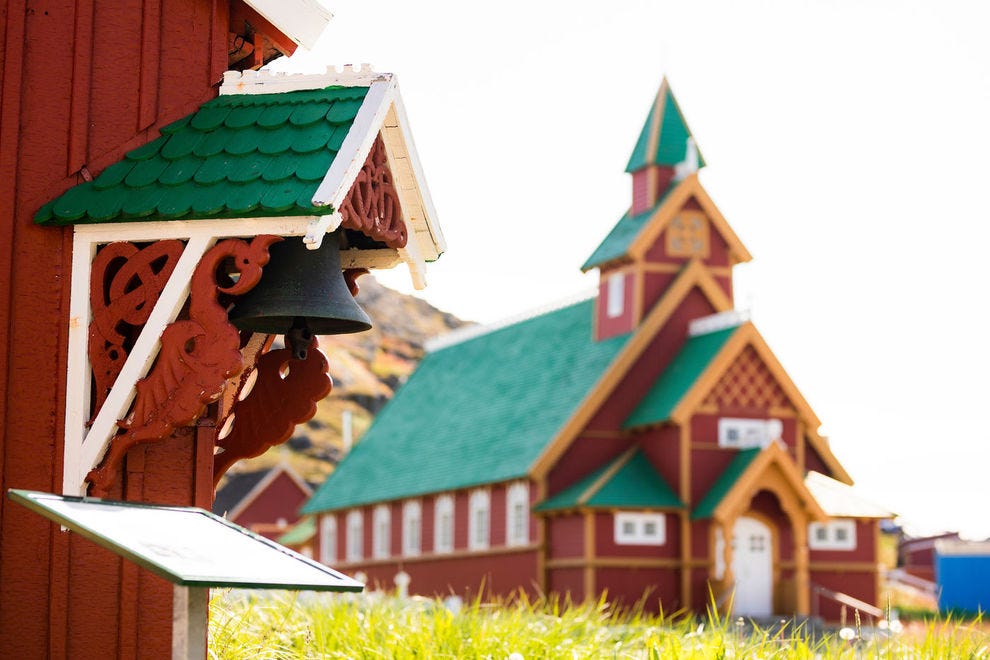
[[366, 368]]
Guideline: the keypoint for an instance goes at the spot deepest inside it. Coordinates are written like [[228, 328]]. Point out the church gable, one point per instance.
[[748, 386]]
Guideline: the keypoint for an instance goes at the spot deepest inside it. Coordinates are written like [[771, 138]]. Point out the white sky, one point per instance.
[[847, 144]]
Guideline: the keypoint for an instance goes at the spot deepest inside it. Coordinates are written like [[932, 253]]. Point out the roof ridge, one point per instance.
[[470, 332], [273, 82]]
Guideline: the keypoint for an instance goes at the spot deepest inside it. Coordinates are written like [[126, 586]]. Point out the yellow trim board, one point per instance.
[[694, 274], [672, 205]]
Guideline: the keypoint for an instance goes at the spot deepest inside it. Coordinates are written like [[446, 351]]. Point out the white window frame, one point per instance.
[[615, 295], [833, 530], [355, 535], [517, 514], [328, 538], [443, 524], [743, 432], [412, 528], [633, 528], [381, 532], [479, 520]]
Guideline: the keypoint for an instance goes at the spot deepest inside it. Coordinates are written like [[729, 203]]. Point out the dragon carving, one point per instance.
[[197, 357]]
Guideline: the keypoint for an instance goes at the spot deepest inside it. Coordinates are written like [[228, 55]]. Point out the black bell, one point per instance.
[[301, 293]]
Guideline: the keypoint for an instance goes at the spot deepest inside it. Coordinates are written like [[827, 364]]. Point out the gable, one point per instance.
[[634, 235], [475, 413], [747, 384]]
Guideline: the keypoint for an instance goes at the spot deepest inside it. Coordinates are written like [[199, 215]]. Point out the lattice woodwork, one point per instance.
[[284, 393], [125, 284], [197, 356], [748, 383], [372, 205], [687, 235]]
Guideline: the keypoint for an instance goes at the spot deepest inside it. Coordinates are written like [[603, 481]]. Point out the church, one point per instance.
[[644, 443]]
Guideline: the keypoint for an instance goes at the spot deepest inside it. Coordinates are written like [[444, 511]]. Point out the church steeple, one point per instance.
[[671, 225], [664, 153]]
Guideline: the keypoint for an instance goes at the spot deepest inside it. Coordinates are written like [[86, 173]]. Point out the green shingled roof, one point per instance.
[[243, 155], [706, 507], [678, 378], [302, 531], [635, 484], [616, 244], [671, 143], [477, 412]]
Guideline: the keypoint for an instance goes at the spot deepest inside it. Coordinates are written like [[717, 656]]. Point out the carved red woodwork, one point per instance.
[[284, 394], [197, 356], [372, 205], [125, 284]]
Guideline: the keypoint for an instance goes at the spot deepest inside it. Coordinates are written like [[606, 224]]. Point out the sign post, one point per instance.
[[192, 548]]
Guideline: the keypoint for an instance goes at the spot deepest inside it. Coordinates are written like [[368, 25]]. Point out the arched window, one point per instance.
[[328, 538], [412, 525], [382, 532], [478, 520], [355, 535], [443, 524], [517, 514]]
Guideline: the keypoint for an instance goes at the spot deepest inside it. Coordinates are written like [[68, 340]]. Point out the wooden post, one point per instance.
[[190, 608]]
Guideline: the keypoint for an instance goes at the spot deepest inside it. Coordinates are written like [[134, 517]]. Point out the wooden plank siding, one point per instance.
[[81, 83]]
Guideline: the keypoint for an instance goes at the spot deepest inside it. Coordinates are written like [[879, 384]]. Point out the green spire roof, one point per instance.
[[706, 507], [628, 482], [625, 231], [678, 378], [663, 140], [478, 412], [243, 155]]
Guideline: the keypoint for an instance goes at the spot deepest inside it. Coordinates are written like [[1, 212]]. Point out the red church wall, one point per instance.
[[653, 587], [866, 546], [606, 326], [281, 499], [501, 573], [650, 365], [858, 584], [496, 516], [395, 528], [565, 536], [428, 513], [663, 449], [605, 545], [461, 501], [707, 464], [568, 583]]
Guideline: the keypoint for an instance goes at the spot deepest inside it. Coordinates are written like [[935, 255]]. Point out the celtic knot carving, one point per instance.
[[372, 205], [125, 283]]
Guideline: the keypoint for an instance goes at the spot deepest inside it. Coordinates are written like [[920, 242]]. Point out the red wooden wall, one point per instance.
[[81, 82]]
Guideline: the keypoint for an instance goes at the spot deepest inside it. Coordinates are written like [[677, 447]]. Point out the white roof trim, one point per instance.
[[277, 82], [841, 500], [303, 21]]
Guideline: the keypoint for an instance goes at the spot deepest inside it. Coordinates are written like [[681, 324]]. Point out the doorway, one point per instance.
[[752, 568]]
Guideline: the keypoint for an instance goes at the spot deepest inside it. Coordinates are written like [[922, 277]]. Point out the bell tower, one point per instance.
[[671, 222]]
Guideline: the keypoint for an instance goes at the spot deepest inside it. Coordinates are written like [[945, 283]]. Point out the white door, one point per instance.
[[752, 568]]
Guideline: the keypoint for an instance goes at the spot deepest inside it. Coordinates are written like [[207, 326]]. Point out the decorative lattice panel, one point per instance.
[[748, 383]]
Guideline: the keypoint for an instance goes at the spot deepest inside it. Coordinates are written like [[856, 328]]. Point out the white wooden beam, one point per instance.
[[303, 21]]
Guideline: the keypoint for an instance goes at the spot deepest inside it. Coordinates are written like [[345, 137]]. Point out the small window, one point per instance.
[[443, 524], [355, 536], [742, 433], [381, 545], [478, 527], [412, 524], [832, 535], [517, 514], [328, 538], [615, 297], [640, 529]]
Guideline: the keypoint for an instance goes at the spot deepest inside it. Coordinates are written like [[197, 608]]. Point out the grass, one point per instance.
[[277, 625]]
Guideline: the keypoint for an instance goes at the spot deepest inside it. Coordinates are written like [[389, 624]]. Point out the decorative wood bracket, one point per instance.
[[197, 356], [372, 205], [283, 393]]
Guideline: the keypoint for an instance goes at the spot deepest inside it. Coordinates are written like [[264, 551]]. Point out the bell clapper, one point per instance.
[[299, 337]]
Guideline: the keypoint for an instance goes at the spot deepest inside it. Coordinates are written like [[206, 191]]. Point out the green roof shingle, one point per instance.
[[679, 376], [634, 485], [706, 507], [476, 412], [616, 244], [243, 155]]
